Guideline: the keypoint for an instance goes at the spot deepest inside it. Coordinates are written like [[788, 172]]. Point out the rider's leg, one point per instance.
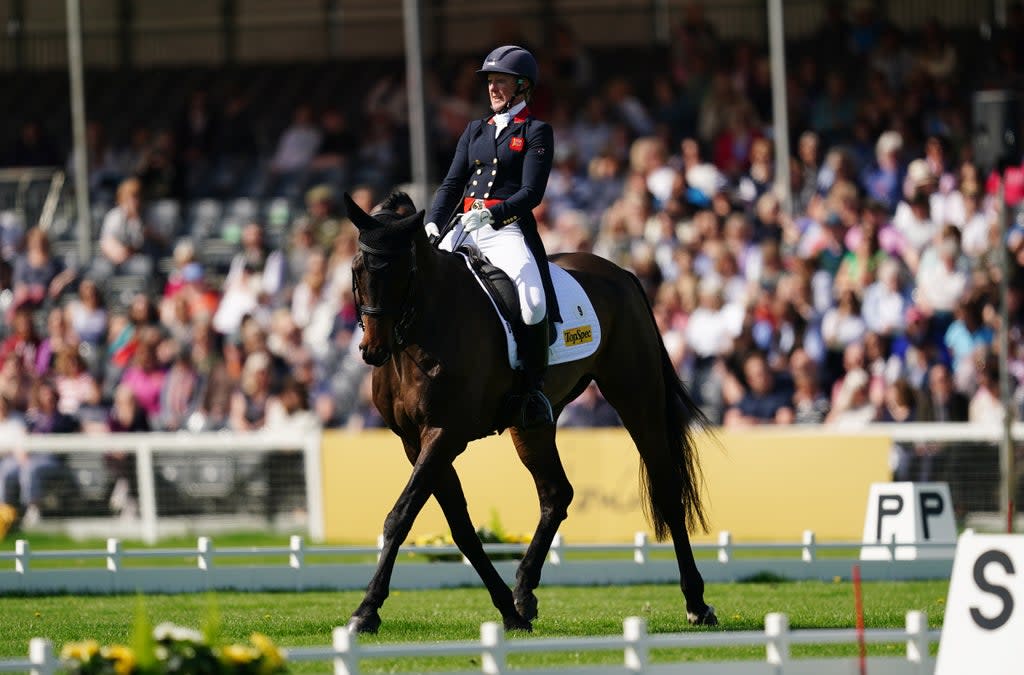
[[506, 248]]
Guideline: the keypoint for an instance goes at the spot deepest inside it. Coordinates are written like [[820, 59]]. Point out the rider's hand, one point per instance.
[[474, 219], [432, 231]]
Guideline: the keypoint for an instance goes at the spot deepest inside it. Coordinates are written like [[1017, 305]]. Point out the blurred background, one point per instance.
[[839, 266]]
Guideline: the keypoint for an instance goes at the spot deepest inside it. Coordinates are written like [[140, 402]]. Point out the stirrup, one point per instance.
[[536, 410]]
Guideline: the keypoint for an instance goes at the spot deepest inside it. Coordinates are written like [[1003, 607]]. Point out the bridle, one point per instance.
[[405, 311]]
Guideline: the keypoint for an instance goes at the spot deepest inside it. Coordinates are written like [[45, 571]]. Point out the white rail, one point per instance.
[[197, 569], [635, 642]]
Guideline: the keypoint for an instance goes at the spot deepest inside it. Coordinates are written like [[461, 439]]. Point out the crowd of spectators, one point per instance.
[[871, 297]]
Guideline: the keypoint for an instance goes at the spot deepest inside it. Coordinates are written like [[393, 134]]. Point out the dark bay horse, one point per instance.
[[441, 374]]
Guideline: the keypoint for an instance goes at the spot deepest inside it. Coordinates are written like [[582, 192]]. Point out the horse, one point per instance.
[[440, 379]]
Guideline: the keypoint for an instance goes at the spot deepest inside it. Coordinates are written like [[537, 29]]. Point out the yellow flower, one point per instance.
[[238, 654], [273, 659], [123, 658], [80, 651]]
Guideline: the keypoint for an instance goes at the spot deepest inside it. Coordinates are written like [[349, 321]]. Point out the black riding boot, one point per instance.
[[533, 350]]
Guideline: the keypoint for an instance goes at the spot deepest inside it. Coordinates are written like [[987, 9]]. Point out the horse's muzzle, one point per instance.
[[375, 358]]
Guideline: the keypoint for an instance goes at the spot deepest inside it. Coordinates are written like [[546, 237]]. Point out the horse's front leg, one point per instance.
[[428, 464], [537, 451], [452, 499]]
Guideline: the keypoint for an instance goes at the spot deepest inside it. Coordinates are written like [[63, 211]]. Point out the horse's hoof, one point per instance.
[[518, 623], [364, 624], [705, 618], [527, 607]]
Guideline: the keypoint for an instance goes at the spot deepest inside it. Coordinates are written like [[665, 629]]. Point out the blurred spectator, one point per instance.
[[125, 416], [289, 410], [938, 401], [59, 337], [196, 130], [180, 393], [159, 169], [764, 401], [296, 148], [145, 376], [590, 409], [338, 145], [76, 387], [126, 243], [901, 406], [249, 401], [34, 147], [810, 404], [262, 263], [968, 334], [15, 382], [885, 303], [884, 180], [235, 147], [315, 303], [853, 407], [322, 216], [38, 276], [23, 341], [86, 313]]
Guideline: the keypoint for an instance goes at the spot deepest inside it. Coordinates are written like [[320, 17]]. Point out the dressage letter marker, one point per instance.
[[908, 513], [984, 620]]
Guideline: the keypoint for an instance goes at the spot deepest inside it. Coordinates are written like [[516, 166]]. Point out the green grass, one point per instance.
[[306, 619]]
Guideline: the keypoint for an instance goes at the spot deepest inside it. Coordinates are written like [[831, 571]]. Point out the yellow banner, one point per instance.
[[759, 485]]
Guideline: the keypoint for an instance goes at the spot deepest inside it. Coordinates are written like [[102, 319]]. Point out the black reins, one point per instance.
[[405, 311]]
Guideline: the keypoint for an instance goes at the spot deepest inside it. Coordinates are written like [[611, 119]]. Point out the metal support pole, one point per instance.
[[78, 130], [1007, 459], [780, 113], [417, 105]]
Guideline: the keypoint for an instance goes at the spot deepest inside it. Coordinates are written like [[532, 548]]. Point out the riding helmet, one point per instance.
[[512, 60]]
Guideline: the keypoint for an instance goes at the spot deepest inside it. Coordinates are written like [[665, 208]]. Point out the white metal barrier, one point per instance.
[[293, 572], [145, 445], [635, 642]]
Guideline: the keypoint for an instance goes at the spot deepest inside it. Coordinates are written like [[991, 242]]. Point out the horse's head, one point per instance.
[[384, 273]]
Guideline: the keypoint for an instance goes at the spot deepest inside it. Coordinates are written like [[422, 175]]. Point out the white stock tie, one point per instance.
[[501, 121]]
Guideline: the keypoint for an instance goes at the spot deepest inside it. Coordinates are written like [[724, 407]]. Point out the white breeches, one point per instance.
[[507, 250]]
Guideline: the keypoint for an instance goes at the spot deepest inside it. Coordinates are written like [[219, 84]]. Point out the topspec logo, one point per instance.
[[580, 335]]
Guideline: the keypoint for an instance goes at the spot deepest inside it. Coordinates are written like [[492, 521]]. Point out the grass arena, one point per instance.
[[604, 474]]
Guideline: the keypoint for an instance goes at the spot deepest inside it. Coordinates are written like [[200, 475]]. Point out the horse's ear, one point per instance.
[[411, 222], [361, 219]]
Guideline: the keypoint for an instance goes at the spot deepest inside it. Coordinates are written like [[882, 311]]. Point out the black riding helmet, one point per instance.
[[511, 60]]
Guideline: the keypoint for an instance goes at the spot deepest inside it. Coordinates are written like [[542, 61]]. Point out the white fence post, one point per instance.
[[724, 546], [41, 656], [555, 552], [492, 640], [147, 492], [346, 651], [204, 546], [776, 629], [640, 548], [22, 553], [808, 552], [297, 554], [114, 554], [917, 641], [634, 630], [380, 546]]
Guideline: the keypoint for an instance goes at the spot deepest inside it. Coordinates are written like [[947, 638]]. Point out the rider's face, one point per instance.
[[501, 89]]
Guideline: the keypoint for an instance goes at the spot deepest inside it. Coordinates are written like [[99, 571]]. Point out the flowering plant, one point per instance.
[[493, 534], [170, 649]]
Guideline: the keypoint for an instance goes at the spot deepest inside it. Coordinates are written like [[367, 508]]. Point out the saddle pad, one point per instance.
[[579, 332]]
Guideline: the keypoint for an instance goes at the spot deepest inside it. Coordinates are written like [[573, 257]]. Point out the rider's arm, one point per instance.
[[540, 150], [449, 195]]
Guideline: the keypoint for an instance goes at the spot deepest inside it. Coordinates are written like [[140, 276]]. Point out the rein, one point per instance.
[[406, 310]]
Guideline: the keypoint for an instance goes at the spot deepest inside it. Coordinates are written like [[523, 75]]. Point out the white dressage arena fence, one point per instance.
[[636, 644], [207, 567]]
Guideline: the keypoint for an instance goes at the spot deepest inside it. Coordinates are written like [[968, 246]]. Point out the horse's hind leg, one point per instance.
[[537, 450], [660, 440], [452, 499]]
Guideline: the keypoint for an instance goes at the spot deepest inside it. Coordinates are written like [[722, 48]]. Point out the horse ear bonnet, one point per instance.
[[389, 228]]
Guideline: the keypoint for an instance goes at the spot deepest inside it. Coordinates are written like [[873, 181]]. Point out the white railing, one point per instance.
[[635, 642], [294, 572], [145, 445]]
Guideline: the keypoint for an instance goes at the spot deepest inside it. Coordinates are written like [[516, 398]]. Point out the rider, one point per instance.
[[498, 175]]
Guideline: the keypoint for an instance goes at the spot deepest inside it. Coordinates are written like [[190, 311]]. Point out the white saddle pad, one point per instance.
[[579, 332]]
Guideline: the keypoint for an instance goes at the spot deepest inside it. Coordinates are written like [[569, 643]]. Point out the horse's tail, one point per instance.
[[682, 463]]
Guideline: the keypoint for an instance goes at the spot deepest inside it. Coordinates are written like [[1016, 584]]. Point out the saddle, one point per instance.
[[502, 290]]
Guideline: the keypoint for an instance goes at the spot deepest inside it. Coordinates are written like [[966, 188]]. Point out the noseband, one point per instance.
[[405, 311]]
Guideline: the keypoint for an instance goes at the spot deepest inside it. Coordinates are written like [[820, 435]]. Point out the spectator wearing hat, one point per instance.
[[322, 217]]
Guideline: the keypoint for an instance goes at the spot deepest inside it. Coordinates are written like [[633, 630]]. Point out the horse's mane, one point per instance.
[[398, 203]]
